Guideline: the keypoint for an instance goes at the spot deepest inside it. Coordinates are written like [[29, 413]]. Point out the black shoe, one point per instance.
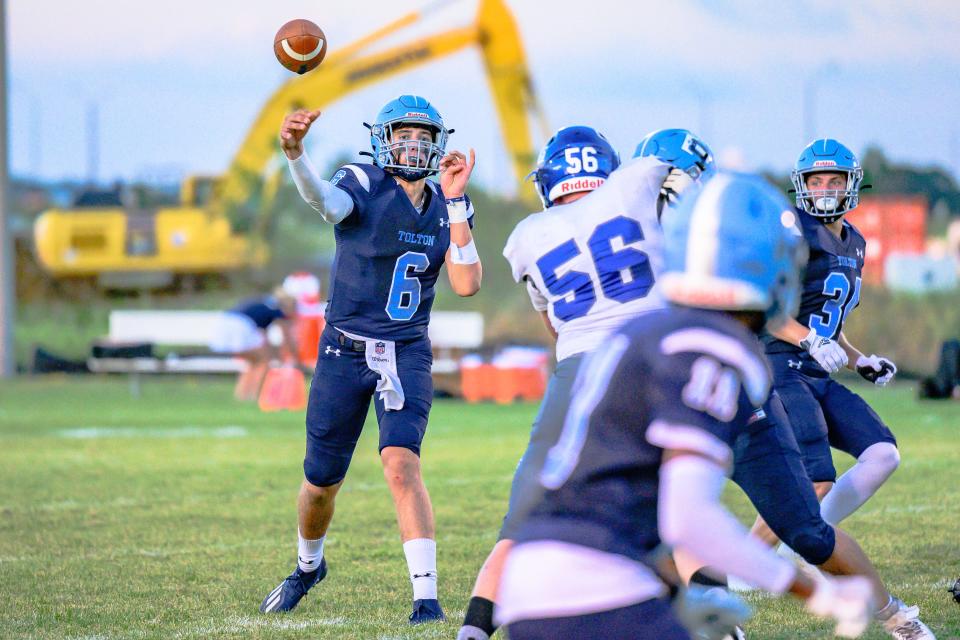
[[288, 593], [426, 611]]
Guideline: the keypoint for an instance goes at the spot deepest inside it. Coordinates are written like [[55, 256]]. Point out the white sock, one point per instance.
[[421, 556], [309, 553], [853, 488]]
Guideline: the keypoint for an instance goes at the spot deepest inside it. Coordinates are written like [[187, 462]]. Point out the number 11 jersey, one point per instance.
[[593, 264]]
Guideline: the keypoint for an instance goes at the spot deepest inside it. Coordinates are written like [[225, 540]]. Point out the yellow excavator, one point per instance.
[[219, 225]]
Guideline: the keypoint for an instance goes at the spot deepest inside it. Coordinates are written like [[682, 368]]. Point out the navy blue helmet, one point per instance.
[[575, 159]]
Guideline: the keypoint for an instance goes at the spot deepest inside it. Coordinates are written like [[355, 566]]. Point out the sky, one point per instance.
[[175, 85]]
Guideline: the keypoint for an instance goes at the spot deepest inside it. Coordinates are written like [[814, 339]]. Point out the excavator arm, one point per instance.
[[348, 70]]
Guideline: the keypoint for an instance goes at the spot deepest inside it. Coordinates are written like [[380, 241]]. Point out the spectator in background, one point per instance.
[[243, 334]]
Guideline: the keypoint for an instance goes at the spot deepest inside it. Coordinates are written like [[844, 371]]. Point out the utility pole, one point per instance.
[[93, 143], [7, 310]]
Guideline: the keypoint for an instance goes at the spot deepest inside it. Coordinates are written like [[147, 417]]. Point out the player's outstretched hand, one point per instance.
[[847, 600], [876, 369], [293, 129], [455, 170]]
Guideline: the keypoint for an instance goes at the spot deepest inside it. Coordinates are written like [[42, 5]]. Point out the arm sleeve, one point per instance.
[[331, 203], [690, 516]]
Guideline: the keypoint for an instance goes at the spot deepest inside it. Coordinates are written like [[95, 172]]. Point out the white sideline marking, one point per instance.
[[241, 624], [88, 433]]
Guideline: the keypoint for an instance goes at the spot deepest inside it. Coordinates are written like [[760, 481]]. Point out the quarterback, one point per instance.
[[394, 229]]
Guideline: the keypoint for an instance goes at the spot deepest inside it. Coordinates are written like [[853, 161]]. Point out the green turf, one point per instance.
[[172, 515]]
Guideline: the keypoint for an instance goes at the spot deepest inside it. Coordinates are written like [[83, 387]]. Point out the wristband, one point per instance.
[[457, 209], [466, 254]]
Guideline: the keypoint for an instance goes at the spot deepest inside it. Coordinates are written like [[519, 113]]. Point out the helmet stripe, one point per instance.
[[705, 229]]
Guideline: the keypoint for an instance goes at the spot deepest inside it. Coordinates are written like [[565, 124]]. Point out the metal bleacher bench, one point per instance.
[[451, 333]]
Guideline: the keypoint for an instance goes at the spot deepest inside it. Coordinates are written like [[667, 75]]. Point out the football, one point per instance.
[[300, 45]]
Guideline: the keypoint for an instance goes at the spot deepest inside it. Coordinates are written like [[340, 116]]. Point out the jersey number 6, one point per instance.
[[609, 264], [405, 289]]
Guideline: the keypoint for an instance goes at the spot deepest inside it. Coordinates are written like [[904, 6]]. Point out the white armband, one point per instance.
[[331, 203], [457, 209], [466, 254]]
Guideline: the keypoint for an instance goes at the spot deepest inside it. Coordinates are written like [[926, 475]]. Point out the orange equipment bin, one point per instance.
[[516, 373]]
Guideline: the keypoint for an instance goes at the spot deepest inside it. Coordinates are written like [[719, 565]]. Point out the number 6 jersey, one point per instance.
[[388, 256], [831, 281], [592, 264]]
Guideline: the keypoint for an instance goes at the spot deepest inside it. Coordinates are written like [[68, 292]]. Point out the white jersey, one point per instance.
[[593, 264]]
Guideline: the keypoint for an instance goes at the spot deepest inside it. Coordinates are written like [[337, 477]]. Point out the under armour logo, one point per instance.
[[794, 364], [335, 352], [444, 222], [860, 253]]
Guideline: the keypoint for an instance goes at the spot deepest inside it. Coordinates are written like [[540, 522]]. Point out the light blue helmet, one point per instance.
[[423, 156], [827, 155], [681, 149], [734, 246]]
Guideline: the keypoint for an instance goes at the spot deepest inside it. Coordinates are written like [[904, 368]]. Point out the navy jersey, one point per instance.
[[831, 281], [678, 379], [263, 311], [388, 256]]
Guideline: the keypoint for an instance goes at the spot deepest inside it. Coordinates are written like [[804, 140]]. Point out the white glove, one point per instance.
[[876, 369], [676, 182], [710, 613], [847, 600], [825, 351]]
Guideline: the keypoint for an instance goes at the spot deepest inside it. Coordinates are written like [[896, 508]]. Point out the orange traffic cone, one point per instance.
[[283, 388]]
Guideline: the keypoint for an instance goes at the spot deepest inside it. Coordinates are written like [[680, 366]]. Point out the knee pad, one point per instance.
[[814, 544], [883, 456], [325, 472]]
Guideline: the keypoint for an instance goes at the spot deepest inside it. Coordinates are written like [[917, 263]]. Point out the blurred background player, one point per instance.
[[646, 444], [589, 261], [689, 156], [394, 229], [807, 348], [242, 333]]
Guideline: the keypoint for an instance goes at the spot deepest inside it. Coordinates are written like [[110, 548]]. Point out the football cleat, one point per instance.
[[426, 611], [905, 624], [288, 594]]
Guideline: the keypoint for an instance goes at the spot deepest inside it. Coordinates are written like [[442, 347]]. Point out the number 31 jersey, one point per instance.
[[831, 281], [388, 256], [592, 264]]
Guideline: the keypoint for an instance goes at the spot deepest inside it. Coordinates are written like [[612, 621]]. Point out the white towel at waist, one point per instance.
[[382, 359]]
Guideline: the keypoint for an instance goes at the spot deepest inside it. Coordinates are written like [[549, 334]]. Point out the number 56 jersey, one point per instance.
[[593, 264]]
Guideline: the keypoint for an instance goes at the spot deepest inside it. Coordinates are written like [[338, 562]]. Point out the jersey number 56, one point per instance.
[[610, 266]]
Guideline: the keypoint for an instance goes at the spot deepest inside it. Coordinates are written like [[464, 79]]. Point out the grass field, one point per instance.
[[172, 515]]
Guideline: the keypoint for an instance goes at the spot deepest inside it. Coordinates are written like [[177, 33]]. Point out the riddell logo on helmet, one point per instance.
[[417, 114], [824, 163], [580, 184]]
